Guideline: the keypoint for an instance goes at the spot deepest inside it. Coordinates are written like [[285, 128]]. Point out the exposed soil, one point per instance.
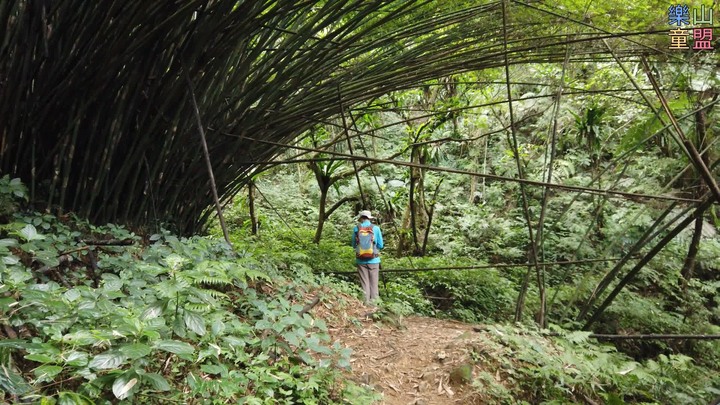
[[412, 360]]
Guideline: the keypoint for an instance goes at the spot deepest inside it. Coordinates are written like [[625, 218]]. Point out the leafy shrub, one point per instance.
[[11, 190], [408, 296], [574, 369], [181, 319]]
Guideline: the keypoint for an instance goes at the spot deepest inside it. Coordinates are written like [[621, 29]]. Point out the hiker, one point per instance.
[[367, 241]]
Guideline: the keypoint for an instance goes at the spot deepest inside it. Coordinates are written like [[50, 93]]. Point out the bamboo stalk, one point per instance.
[[350, 149], [648, 336], [646, 259], [689, 147], [483, 267], [579, 189], [211, 176], [109, 74]]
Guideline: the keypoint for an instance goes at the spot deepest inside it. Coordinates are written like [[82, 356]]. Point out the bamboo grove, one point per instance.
[[96, 111]]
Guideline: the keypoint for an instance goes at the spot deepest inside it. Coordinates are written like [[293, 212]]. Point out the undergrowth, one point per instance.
[[533, 368], [98, 315]]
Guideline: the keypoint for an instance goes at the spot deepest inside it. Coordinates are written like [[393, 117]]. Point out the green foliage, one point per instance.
[[608, 140], [183, 319], [407, 297], [590, 126], [11, 190], [574, 369]]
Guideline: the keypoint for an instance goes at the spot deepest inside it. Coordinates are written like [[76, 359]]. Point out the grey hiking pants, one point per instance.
[[369, 280]]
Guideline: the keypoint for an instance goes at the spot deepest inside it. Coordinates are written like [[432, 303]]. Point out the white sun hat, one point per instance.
[[365, 213]]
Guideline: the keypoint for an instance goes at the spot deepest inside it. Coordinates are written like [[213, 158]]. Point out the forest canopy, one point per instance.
[[98, 112]]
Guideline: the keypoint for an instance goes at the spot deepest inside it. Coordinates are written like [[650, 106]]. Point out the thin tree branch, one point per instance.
[[692, 151], [206, 153], [339, 204], [611, 193], [526, 208], [350, 148], [481, 267], [649, 256]]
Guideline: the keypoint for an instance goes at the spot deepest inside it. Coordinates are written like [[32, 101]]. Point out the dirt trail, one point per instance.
[[421, 361]]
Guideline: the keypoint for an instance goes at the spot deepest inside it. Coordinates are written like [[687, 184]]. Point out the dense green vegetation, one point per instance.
[[535, 168], [601, 140], [187, 320], [156, 320]]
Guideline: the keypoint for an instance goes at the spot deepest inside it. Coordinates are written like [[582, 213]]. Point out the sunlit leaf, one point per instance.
[[107, 361], [157, 381], [175, 346], [135, 350], [152, 312], [46, 372], [29, 233], [122, 386], [195, 322], [76, 359]]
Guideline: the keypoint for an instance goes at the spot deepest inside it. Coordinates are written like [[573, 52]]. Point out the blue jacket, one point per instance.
[[378, 242]]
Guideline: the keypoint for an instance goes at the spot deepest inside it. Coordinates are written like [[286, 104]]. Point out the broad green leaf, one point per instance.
[[152, 312], [29, 233], [213, 369], [77, 359], [179, 327], [14, 343], [174, 346], [292, 338], [218, 327], [194, 322], [12, 382], [72, 398], [263, 324], [157, 381], [111, 282], [107, 361], [11, 260], [72, 295], [7, 242], [48, 258], [235, 341], [81, 337], [135, 350], [122, 385], [46, 372], [40, 358]]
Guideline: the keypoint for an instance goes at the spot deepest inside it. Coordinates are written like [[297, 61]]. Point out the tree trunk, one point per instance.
[[411, 202], [430, 211], [689, 265], [416, 217], [634, 249], [321, 212], [700, 135], [473, 189]]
